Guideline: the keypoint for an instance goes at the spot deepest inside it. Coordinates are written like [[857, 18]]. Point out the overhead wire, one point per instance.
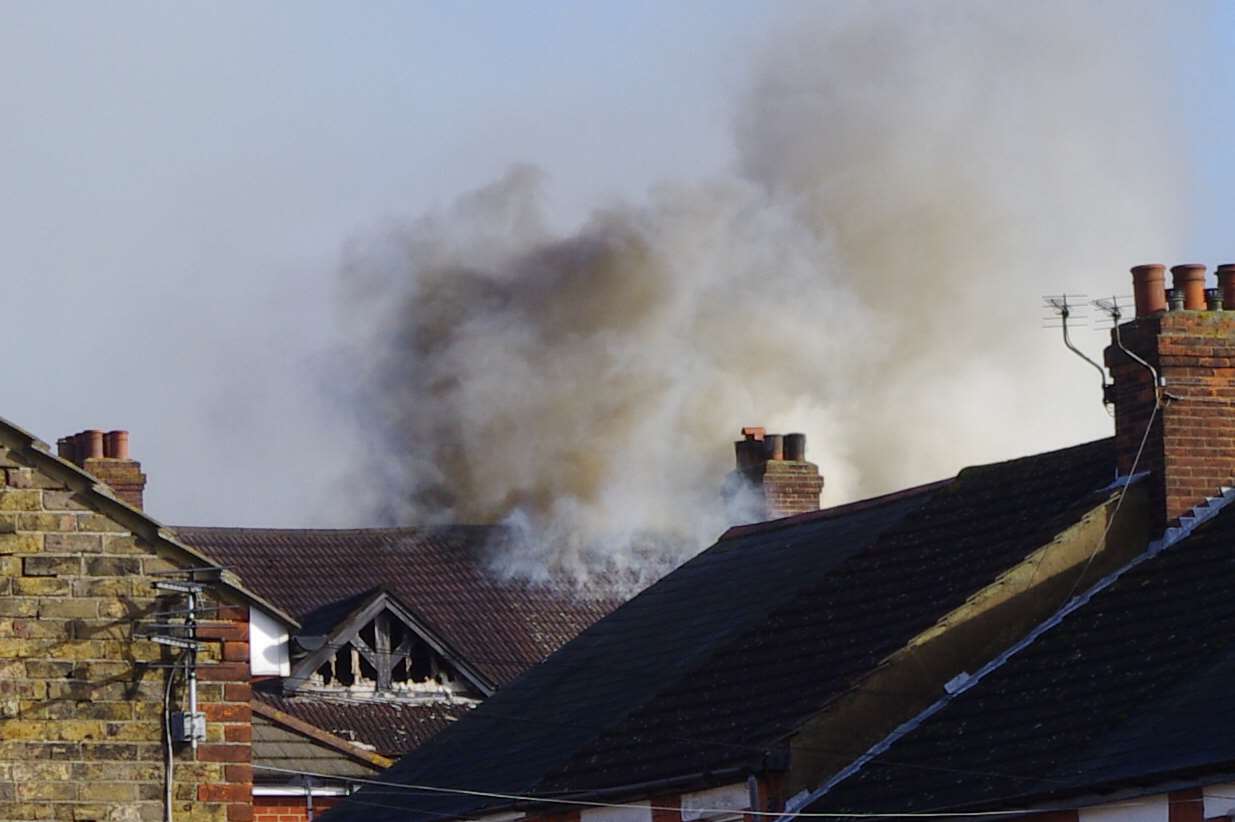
[[169, 758], [587, 803], [651, 808]]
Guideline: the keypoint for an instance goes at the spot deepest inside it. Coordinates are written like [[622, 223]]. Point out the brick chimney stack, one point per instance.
[[775, 467], [1189, 449], [106, 456]]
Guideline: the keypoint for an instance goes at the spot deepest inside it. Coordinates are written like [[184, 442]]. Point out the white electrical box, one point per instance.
[[187, 727]]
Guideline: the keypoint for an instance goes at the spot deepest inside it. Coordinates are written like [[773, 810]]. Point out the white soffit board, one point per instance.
[[1139, 809], [1219, 799], [642, 813], [268, 645], [703, 804]]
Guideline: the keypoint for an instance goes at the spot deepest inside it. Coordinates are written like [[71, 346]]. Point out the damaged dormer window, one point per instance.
[[378, 651]]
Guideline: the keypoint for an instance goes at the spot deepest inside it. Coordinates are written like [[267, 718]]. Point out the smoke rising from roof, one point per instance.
[[909, 178]]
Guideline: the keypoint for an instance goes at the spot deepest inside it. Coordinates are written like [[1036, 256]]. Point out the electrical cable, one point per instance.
[[641, 806], [584, 803], [762, 750], [168, 752], [1136, 461]]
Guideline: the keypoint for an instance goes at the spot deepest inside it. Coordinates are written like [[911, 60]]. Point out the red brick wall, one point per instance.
[[229, 720], [791, 488], [781, 488], [1187, 805], [289, 808], [669, 801], [1191, 447]]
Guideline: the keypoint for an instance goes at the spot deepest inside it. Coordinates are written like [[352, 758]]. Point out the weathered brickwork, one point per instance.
[[1190, 448], [289, 809], [777, 488], [790, 488], [81, 701]]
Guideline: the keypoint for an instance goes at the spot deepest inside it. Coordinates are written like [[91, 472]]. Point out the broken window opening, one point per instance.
[[421, 662], [367, 671], [344, 670], [386, 655]]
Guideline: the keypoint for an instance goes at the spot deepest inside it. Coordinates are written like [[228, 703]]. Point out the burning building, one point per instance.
[[1048, 637]]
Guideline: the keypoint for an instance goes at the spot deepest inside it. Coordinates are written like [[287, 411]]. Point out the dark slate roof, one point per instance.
[[279, 747], [1132, 688], [724, 657], [499, 626], [386, 727]]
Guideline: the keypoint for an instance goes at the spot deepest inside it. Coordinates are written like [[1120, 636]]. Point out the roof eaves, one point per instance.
[[1187, 524], [137, 521]]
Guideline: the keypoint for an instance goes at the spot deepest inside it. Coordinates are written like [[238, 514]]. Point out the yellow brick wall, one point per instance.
[[81, 705]]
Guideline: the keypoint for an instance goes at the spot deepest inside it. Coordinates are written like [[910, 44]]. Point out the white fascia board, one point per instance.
[[641, 813], [706, 804], [292, 790]]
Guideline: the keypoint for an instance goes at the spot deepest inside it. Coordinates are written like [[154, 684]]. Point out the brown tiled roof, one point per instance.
[[386, 727], [716, 664], [501, 627]]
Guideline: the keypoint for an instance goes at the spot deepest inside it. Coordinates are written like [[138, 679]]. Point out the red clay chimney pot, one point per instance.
[[753, 432], [1149, 289], [795, 447], [93, 442], [1190, 278], [1226, 282], [116, 445], [749, 454]]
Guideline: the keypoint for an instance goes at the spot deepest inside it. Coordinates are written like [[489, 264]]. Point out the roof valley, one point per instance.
[[1187, 525]]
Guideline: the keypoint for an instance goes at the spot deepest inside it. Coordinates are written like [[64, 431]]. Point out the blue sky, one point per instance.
[[181, 179]]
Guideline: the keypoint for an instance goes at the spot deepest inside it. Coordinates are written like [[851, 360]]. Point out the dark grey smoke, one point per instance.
[[909, 179]]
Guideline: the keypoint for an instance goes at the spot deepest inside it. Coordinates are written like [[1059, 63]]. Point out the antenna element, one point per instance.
[[1063, 309], [1110, 306]]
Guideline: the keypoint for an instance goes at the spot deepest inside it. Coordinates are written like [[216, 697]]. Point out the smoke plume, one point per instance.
[[908, 180]]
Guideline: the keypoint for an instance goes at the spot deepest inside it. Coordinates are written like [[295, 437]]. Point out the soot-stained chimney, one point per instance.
[[1185, 420], [772, 468], [106, 456]]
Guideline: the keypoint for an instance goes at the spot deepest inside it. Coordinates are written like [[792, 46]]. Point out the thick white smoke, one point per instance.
[[910, 178]]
